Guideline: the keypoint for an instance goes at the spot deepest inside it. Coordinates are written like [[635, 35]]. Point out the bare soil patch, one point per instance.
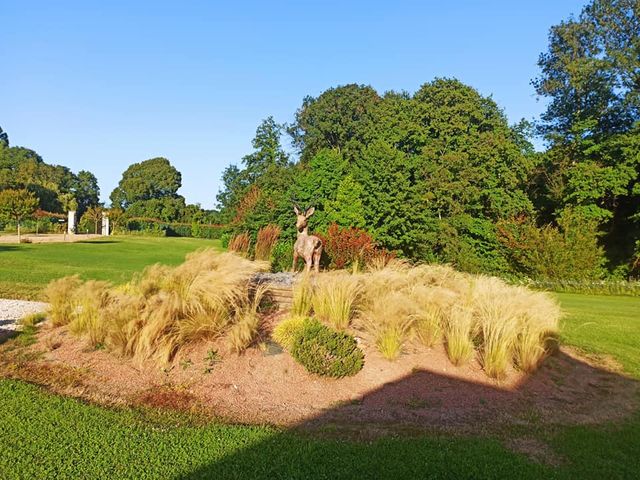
[[421, 391]]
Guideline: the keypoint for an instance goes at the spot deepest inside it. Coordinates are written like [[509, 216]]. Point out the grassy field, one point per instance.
[[25, 269], [46, 436]]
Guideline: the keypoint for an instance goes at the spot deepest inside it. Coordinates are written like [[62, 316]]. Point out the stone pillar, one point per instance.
[[105, 224], [71, 222]]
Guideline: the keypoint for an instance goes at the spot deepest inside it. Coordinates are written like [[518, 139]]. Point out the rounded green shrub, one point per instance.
[[327, 352], [282, 256]]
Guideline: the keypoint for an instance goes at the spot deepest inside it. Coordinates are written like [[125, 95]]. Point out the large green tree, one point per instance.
[[152, 179], [256, 194], [591, 76]]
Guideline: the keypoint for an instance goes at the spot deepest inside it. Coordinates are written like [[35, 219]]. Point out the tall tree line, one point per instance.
[[440, 175]]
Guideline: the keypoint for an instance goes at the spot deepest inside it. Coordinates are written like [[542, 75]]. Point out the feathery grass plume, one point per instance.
[[164, 308], [302, 296], [496, 307], [429, 304], [90, 298], [458, 327], [335, 298], [198, 299], [286, 332], [537, 329], [120, 315], [246, 322], [265, 241], [388, 319], [149, 282], [241, 244], [59, 293], [32, 319]]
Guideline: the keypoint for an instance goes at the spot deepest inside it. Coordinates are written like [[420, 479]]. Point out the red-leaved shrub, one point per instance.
[[266, 240], [347, 246], [241, 244]]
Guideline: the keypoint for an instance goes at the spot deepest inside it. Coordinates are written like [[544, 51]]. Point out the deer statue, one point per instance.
[[309, 247]]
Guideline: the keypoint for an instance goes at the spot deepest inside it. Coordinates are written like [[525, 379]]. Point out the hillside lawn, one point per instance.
[[25, 269], [47, 436]]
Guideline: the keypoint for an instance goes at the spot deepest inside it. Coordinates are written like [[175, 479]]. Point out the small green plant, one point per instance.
[[184, 364], [282, 256], [287, 331], [324, 351], [33, 319]]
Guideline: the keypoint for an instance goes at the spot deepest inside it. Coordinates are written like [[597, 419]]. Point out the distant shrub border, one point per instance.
[[326, 352]]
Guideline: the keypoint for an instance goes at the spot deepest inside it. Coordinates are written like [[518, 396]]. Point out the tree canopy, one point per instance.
[[154, 179]]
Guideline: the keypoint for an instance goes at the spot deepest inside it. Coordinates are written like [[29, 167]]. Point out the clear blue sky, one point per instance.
[[100, 85]]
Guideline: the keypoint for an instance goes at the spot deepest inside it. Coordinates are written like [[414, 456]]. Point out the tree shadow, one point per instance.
[[99, 241], [8, 248], [430, 425]]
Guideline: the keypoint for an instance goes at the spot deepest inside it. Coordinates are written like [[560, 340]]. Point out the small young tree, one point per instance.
[[15, 205], [116, 218], [94, 214]]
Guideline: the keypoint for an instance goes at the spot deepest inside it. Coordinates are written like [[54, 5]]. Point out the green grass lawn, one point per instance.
[[46, 436], [604, 325], [26, 269]]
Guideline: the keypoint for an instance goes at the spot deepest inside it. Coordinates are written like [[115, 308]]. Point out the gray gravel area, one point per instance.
[[285, 279], [13, 310]]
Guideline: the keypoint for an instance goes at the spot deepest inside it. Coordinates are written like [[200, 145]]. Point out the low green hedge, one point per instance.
[[327, 352]]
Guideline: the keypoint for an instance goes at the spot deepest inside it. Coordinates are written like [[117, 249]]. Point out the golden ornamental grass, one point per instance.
[[164, 308]]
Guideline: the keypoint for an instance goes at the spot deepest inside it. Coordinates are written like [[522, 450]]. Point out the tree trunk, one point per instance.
[[19, 232], [95, 224]]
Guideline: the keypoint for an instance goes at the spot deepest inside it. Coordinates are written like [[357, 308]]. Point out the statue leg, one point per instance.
[[295, 262], [316, 259]]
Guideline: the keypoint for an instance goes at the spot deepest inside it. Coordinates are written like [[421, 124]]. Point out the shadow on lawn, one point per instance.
[[398, 426]]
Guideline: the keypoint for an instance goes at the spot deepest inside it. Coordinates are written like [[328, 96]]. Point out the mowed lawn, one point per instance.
[[26, 269], [47, 436]]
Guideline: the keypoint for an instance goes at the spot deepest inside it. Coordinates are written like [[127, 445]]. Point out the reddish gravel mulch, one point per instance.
[[420, 391]]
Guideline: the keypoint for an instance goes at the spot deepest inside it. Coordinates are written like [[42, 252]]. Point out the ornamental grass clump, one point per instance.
[[504, 324], [164, 308], [59, 293], [287, 331], [266, 240], [388, 319], [458, 334], [335, 298], [240, 244], [302, 296], [89, 299], [537, 329]]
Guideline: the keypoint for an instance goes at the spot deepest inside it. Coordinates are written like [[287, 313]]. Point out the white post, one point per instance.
[[71, 223], [105, 224]]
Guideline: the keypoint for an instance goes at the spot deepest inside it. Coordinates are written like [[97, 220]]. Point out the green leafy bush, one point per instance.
[[326, 352], [282, 256]]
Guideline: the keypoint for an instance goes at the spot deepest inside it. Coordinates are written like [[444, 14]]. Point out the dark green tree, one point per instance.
[[590, 76], [339, 119], [86, 190], [152, 179]]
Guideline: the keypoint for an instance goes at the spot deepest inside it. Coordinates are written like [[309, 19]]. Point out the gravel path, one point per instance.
[[13, 310]]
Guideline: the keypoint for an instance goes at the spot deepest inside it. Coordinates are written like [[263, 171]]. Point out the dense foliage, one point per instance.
[[324, 351], [433, 175], [54, 186]]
